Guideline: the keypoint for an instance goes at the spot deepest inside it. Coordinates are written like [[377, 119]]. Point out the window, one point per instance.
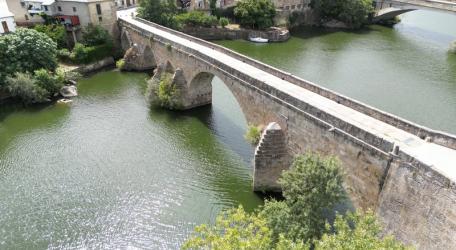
[[74, 9], [98, 9], [45, 8], [59, 8], [22, 4], [100, 19], [26, 17], [5, 27]]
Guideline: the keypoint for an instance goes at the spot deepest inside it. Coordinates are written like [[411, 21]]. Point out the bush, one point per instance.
[[167, 93], [83, 54], [120, 64], [94, 35], [26, 50], [56, 32], [51, 83], [256, 14], [196, 18], [223, 21], [24, 87], [354, 13], [63, 55], [253, 134]]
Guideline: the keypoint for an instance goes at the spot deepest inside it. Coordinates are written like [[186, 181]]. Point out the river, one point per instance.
[[106, 172]]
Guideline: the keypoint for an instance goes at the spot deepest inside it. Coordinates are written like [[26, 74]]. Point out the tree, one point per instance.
[[312, 186], [233, 229], [257, 14], [357, 231], [56, 32], [159, 11], [354, 13], [24, 87], [94, 35], [26, 50]]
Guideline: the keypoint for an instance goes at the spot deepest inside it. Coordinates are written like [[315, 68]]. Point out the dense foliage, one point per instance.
[[56, 32], [94, 35], [354, 13], [167, 93], [312, 186], [257, 14], [253, 134], [357, 231], [162, 12], [196, 18], [26, 50], [313, 183], [223, 21], [87, 54]]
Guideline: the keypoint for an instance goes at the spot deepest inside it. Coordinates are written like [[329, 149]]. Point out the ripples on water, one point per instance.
[[107, 172]]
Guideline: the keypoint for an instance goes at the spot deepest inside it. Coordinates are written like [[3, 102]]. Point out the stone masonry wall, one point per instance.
[[375, 177]]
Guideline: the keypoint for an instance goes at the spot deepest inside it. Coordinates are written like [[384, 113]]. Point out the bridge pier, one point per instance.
[[271, 158]]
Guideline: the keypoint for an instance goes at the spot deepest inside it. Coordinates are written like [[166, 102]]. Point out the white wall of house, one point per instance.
[[6, 18], [21, 15]]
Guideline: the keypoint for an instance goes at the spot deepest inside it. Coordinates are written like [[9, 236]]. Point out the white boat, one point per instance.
[[64, 101], [258, 40]]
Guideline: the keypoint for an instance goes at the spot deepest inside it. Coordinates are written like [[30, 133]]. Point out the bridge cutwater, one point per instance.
[[403, 171], [388, 9]]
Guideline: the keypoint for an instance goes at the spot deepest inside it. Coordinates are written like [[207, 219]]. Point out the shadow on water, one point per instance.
[[223, 165]]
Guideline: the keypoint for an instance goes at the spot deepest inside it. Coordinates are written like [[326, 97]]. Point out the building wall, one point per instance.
[[10, 22], [21, 14], [108, 14]]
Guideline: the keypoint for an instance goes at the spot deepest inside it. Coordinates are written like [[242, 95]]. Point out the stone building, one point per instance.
[[74, 14], [7, 23]]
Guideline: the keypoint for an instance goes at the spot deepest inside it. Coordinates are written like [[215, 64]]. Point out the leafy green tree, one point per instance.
[[56, 32], [24, 87], [357, 231], [197, 18], [257, 14], [50, 82], [253, 134], [233, 229], [354, 13], [94, 35], [162, 12], [26, 50], [312, 186]]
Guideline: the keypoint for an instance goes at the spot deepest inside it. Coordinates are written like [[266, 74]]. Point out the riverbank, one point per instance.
[[234, 32]]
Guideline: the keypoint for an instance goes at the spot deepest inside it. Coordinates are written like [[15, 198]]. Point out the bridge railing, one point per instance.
[[438, 137]]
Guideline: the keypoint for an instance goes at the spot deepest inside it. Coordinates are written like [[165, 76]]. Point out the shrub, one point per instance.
[[26, 50], [56, 32], [120, 64], [83, 54], [94, 35], [223, 21], [256, 14], [51, 83], [24, 87], [197, 18], [352, 12], [253, 134], [167, 93], [63, 55]]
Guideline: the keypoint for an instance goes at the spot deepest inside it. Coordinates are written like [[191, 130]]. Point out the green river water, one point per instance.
[[106, 172]]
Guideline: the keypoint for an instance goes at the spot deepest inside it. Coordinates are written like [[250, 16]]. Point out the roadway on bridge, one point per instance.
[[443, 159]]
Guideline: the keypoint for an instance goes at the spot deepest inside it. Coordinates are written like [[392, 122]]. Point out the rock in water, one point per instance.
[[69, 91]]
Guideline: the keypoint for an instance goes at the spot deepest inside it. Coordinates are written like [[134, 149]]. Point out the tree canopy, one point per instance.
[[354, 13], [26, 50], [257, 14], [162, 12]]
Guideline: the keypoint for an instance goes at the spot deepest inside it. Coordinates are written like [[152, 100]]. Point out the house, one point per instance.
[[21, 13], [6, 19], [121, 4]]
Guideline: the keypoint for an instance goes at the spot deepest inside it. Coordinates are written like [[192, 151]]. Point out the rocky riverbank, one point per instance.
[[234, 32]]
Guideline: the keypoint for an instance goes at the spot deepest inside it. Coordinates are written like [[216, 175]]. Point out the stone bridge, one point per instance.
[[388, 9], [403, 171]]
